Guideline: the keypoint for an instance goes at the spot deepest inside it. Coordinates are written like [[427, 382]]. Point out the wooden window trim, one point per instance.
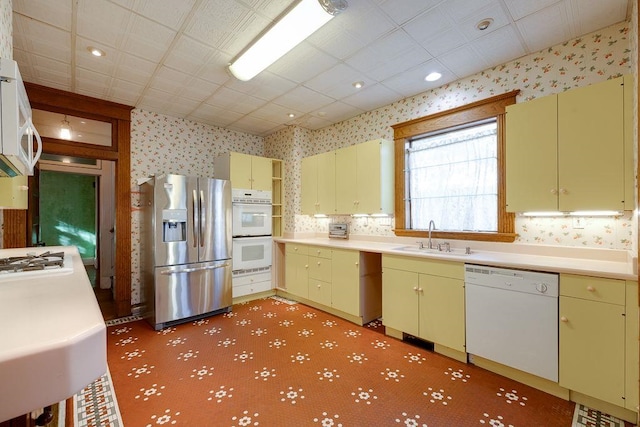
[[480, 110]]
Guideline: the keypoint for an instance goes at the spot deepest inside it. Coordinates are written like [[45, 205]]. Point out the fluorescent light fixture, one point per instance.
[[320, 216], [299, 23]]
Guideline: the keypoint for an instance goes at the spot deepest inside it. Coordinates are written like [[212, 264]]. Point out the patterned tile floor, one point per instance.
[[268, 363]]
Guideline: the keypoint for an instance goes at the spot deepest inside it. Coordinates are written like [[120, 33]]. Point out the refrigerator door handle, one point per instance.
[[196, 219], [202, 218], [191, 270]]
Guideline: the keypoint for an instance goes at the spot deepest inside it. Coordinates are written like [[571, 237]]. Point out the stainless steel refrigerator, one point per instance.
[[186, 248]]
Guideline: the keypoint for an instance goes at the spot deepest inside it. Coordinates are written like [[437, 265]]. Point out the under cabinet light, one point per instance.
[[296, 25], [595, 213]]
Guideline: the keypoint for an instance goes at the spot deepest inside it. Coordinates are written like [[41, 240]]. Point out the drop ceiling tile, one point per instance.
[[365, 21], [302, 63], [235, 101], [104, 22], [461, 10], [399, 63], [402, 11], [48, 71], [545, 28], [169, 80], [126, 92], [444, 42], [243, 34], [337, 111], [521, 8], [383, 51], [412, 82], [198, 90], [153, 96], [463, 61], [337, 82], [265, 85], [84, 59], [215, 69], [270, 8], [337, 39], [276, 113], [429, 25], [147, 39], [169, 13], [181, 107], [253, 125], [188, 55], [500, 46], [372, 97], [591, 15], [214, 22], [134, 69], [41, 39], [207, 113], [91, 82], [57, 14], [314, 123], [303, 99]]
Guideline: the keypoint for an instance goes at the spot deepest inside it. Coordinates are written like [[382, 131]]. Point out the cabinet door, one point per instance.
[[261, 173], [400, 300], [531, 155], [441, 315], [347, 180], [296, 274], [309, 185], [632, 356], [345, 281], [320, 292], [327, 183], [368, 168], [591, 147], [240, 170], [592, 348]]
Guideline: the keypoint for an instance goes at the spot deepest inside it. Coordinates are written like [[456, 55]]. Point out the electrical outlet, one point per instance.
[[578, 223]]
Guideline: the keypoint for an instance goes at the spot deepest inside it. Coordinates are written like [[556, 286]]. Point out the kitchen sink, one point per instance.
[[416, 249]]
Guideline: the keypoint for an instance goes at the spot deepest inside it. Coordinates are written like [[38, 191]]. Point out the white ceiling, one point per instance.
[[170, 56]]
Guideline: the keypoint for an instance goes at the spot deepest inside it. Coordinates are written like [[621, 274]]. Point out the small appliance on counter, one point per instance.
[[338, 230]]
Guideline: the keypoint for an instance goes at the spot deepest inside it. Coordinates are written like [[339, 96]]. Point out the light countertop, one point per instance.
[[617, 264], [52, 333]]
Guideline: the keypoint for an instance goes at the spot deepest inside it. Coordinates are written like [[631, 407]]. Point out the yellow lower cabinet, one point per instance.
[[592, 348], [632, 357], [296, 270], [400, 300], [345, 281], [320, 292], [442, 317]]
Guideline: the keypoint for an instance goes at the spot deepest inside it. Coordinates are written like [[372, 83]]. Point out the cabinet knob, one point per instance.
[[563, 191], [420, 290], [318, 286], [415, 288], [318, 262], [564, 319], [554, 191], [306, 266], [356, 263], [591, 288]]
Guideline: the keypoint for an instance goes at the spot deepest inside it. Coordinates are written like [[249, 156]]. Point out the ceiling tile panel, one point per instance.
[[337, 82], [134, 69], [591, 15], [233, 100], [126, 92], [337, 112], [181, 107], [198, 89], [169, 80], [41, 39], [429, 25], [365, 21], [402, 11], [254, 126], [51, 71], [468, 26], [444, 42], [57, 14], [461, 10], [276, 113], [169, 13], [215, 21], [500, 46], [91, 82], [463, 61], [399, 63], [303, 99], [188, 55], [412, 81], [518, 9], [243, 34], [336, 39], [302, 63], [207, 113], [104, 22], [545, 28], [372, 97], [147, 39], [265, 86], [314, 122], [215, 70]]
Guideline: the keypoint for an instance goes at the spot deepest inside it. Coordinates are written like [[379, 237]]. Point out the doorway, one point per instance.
[[77, 208]]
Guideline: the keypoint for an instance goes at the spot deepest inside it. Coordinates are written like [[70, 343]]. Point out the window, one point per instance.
[[450, 169], [452, 179]]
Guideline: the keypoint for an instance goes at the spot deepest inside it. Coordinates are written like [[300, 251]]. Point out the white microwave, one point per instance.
[[251, 253], [17, 132]]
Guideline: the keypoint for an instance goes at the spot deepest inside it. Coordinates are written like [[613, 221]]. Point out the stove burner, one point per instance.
[[45, 260]]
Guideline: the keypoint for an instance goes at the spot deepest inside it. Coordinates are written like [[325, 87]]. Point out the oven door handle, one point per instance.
[[192, 269]]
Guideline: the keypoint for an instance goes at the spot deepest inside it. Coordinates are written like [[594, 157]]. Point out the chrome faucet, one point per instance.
[[431, 224]]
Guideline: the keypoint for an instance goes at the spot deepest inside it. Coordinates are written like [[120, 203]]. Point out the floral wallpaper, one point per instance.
[[163, 144], [590, 59]]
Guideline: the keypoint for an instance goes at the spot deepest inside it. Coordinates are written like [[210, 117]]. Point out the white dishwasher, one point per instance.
[[512, 318]]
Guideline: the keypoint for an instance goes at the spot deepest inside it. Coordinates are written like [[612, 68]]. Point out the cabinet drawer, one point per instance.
[[296, 249], [320, 269], [247, 285], [452, 269], [593, 288], [319, 251]]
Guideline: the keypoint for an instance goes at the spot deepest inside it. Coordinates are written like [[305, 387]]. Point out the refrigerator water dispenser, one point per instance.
[[174, 225]]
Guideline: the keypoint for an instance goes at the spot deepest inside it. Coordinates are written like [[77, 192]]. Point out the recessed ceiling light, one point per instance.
[[96, 52], [291, 115], [432, 77], [357, 85], [484, 24]]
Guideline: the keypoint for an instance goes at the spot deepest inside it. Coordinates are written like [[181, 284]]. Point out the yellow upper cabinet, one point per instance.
[[319, 184], [364, 177], [245, 171], [566, 152]]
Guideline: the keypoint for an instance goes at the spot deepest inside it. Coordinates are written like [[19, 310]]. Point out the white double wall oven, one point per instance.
[[252, 241]]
